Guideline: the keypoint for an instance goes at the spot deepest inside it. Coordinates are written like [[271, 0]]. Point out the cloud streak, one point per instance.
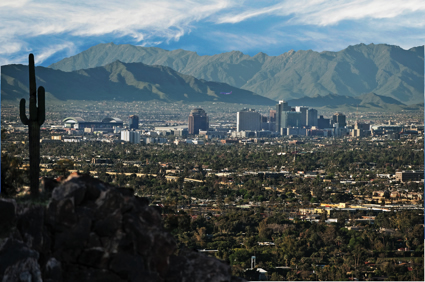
[[50, 50], [323, 12], [52, 27], [138, 20], [244, 42], [96, 18]]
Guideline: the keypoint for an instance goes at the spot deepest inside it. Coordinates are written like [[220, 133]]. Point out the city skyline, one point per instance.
[[237, 193], [128, 169]]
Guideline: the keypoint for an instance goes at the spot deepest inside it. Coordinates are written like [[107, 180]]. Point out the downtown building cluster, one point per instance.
[[284, 120], [287, 120]]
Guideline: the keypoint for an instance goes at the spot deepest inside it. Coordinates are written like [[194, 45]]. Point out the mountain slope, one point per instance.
[[367, 102], [386, 70], [124, 82]]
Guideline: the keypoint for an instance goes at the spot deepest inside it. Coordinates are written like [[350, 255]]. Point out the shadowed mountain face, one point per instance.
[[382, 69], [123, 82]]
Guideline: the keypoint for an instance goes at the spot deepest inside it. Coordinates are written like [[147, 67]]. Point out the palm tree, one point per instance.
[[339, 240], [286, 257]]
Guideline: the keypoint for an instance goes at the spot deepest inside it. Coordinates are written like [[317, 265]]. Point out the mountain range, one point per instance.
[[122, 82], [385, 70], [366, 102]]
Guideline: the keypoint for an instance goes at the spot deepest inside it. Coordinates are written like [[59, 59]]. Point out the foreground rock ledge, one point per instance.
[[92, 231]]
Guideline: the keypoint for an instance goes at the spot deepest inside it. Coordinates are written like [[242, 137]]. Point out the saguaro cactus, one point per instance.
[[35, 120]]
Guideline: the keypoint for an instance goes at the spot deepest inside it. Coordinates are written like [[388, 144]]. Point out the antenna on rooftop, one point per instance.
[[357, 112]]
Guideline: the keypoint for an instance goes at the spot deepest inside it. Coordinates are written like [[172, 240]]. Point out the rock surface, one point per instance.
[[92, 231]]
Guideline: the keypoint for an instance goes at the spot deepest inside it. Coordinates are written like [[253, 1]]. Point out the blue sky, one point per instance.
[[55, 29]]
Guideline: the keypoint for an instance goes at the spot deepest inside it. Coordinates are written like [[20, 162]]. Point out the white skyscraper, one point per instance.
[[131, 136]]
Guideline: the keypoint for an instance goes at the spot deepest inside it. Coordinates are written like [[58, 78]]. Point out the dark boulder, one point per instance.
[[26, 269], [193, 266], [53, 270], [30, 225], [14, 252], [8, 216], [92, 231]]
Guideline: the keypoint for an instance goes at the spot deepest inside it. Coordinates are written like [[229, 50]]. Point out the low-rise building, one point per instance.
[[404, 176]]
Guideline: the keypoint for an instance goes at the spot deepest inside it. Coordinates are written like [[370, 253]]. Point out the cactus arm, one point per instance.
[[41, 115], [22, 114]]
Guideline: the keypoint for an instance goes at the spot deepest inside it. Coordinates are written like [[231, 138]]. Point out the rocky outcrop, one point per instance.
[[193, 266], [91, 231]]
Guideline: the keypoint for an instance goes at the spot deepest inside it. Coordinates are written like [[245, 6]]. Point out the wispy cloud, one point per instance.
[[233, 17], [135, 19], [323, 12], [231, 41], [333, 25], [52, 28], [355, 10], [10, 48], [50, 50]]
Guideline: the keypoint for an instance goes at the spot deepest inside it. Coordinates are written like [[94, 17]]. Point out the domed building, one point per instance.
[[106, 125]]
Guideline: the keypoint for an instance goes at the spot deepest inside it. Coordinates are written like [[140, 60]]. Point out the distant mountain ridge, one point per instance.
[[123, 82], [386, 70], [365, 102]]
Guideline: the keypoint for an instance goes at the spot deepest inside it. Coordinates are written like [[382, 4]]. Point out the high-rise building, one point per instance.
[[264, 124], [323, 122], [198, 120], [311, 117], [360, 129], [131, 136], [281, 107], [291, 119], [303, 118], [248, 119], [272, 115], [133, 122], [339, 119], [361, 126]]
